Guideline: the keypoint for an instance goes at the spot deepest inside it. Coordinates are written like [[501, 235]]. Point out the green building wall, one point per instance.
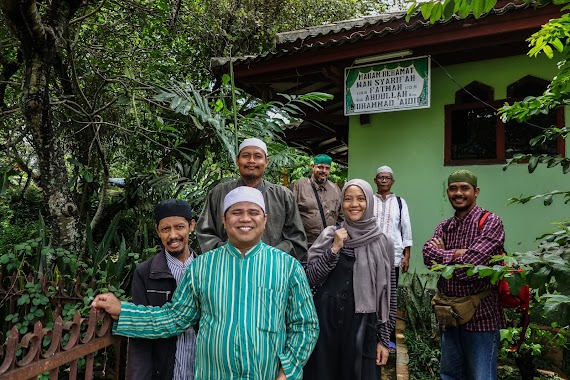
[[412, 143]]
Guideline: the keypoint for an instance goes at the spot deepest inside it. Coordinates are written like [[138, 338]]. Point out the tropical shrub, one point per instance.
[[420, 335], [19, 212], [546, 269]]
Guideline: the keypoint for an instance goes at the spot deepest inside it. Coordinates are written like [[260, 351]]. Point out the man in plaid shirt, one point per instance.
[[468, 351]]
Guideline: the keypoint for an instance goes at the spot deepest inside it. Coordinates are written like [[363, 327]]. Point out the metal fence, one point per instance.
[[68, 347]]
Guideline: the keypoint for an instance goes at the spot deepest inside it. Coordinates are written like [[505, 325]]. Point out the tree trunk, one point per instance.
[[38, 43], [49, 147]]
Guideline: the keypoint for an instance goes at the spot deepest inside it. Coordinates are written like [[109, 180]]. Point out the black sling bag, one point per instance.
[[319, 204]]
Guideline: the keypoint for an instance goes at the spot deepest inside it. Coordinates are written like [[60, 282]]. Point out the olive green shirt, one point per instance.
[[284, 229]]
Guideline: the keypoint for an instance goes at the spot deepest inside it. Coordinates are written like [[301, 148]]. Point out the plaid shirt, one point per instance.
[[481, 245]]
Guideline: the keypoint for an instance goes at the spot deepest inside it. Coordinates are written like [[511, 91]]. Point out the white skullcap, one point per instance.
[[253, 142], [244, 194], [384, 169]]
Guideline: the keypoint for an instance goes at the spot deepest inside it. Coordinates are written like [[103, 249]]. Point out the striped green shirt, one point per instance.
[[254, 313]]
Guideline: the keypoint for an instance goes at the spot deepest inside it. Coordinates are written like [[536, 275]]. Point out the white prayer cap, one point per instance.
[[384, 169], [253, 142], [244, 194]]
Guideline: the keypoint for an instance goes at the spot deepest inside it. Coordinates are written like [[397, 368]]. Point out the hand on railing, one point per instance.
[[109, 303]]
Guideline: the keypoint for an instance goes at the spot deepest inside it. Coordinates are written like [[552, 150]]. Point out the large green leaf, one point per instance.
[[539, 278], [532, 163], [554, 303], [464, 9], [516, 282], [426, 10], [562, 275], [448, 9], [436, 12], [447, 272], [557, 44], [479, 7]]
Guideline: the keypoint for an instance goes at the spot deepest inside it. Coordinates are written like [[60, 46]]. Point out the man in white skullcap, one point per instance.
[[284, 228], [252, 301], [393, 218]]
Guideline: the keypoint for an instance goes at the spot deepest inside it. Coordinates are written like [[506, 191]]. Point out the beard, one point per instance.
[[463, 207], [320, 180], [460, 208], [178, 252], [250, 178]]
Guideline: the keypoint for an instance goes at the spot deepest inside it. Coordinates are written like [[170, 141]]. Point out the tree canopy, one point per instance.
[[78, 86]]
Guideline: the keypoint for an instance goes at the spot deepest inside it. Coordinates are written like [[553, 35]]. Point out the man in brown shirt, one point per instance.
[[306, 190]]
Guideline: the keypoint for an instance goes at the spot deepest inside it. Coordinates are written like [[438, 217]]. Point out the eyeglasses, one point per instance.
[[384, 178]]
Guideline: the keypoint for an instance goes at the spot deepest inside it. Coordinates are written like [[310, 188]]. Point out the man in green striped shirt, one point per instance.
[[256, 315]]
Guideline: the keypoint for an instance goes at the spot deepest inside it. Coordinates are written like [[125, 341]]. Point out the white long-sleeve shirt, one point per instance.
[[387, 213]]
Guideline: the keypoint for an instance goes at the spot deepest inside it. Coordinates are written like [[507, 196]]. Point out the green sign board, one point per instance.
[[387, 86]]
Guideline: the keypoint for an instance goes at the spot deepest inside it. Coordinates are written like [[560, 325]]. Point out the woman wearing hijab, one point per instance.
[[353, 267]]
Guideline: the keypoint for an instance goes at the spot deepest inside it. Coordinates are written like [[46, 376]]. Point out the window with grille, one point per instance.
[[475, 134]]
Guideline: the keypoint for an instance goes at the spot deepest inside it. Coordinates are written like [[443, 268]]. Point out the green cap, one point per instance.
[[463, 176], [322, 159]]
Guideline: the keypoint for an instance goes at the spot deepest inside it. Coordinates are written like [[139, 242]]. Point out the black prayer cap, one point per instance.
[[172, 207]]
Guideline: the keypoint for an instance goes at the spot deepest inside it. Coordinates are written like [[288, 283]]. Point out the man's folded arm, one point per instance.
[[488, 244]]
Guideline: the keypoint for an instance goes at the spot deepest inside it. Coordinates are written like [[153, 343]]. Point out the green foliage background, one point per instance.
[[547, 268]]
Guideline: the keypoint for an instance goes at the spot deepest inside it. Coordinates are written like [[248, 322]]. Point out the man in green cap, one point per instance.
[[472, 236], [318, 199]]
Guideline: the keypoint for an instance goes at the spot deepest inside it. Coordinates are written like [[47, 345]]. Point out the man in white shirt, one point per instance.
[[393, 218], [391, 212]]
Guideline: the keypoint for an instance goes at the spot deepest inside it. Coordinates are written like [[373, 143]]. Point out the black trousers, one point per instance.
[[346, 347], [393, 333]]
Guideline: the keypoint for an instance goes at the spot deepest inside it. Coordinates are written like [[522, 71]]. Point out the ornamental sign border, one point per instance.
[[396, 85]]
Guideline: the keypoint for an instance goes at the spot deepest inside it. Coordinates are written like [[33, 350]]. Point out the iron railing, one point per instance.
[[60, 347]]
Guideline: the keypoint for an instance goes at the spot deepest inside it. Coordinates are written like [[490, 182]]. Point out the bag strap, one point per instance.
[[525, 320], [482, 295], [318, 203], [483, 219], [446, 224], [400, 220], [523, 309]]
